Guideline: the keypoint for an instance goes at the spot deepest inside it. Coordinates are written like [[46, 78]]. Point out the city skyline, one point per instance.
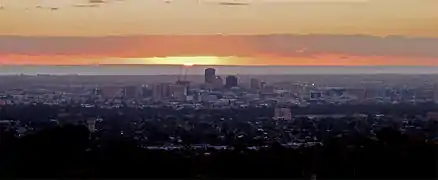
[[290, 32]]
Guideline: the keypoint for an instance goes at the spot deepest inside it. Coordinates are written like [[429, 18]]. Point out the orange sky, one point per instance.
[[186, 32]]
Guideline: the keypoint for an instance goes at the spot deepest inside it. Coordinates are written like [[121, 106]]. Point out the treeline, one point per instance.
[[67, 152], [42, 112]]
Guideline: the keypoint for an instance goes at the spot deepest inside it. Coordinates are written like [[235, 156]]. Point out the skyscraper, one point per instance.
[[218, 83], [255, 84], [210, 75], [130, 92], [231, 81], [160, 91]]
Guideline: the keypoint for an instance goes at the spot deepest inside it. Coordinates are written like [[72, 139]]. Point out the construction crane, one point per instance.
[[182, 77]]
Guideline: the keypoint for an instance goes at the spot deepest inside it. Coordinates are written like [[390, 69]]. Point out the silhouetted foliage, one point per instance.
[[65, 152]]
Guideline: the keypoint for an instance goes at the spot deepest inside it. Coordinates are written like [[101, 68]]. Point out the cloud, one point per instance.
[[86, 5], [233, 3], [97, 1], [343, 46]]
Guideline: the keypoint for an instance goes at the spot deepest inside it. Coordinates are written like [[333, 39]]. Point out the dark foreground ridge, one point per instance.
[[67, 152]]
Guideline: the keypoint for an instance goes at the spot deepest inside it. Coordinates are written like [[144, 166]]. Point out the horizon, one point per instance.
[[220, 70]]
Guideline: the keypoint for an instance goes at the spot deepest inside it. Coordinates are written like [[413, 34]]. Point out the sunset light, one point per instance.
[[275, 32], [103, 88], [188, 64], [186, 60]]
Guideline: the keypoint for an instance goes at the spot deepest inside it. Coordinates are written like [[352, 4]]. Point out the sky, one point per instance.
[[259, 32]]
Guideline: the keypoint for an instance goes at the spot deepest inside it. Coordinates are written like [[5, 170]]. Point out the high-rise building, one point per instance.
[[160, 91], [231, 81], [146, 92], [130, 92], [255, 84], [210, 75], [218, 82], [262, 85]]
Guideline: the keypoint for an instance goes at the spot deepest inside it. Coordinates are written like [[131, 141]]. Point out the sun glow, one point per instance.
[[188, 64], [185, 60]]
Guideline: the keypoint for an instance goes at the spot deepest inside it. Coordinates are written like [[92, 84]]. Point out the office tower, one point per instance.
[[255, 84], [146, 92], [231, 81], [218, 82], [282, 114], [262, 85], [161, 91], [157, 90], [130, 92], [210, 75]]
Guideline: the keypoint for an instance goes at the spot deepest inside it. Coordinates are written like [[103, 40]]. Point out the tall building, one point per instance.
[[282, 113], [130, 92], [160, 91], [210, 75], [218, 82], [146, 92], [231, 81], [262, 85], [255, 84]]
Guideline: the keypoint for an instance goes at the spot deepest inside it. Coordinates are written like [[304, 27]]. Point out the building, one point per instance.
[[231, 81], [185, 83], [358, 94], [210, 75], [160, 91], [316, 95], [146, 92], [282, 114], [130, 92], [111, 91], [267, 90], [255, 84], [178, 92], [218, 82], [262, 85]]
